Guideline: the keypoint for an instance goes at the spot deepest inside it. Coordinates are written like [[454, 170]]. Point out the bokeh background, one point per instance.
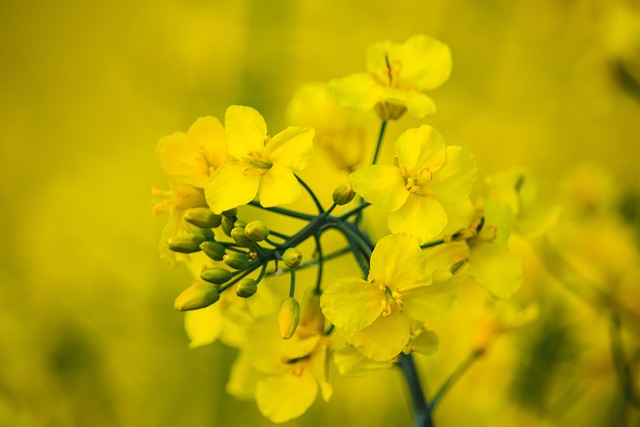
[[88, 335]]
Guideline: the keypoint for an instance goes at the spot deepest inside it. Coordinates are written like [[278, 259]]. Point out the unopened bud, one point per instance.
[[240, 223], [199, 295], [256, 231], [292, 257], [189, 228], [237, 234], [289, 317], [246, 288], [343, 194], [231, 213], [388, 111], [236, 260], [216, 275], [186, 243], [202, 217], [227, 225], [213, 250]]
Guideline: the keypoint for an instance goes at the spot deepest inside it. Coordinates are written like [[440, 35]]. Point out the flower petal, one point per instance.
[[431, 302], [231, 186], [293, 147], [420, 148], [203, 326], [278, 186], [426, 62], [420, 216], [381, 185], [496, 268], [359, 91], [284, 397], [384, 339], [454, 180], [351, 303], [246, 130], [207, 134], [397, 261]]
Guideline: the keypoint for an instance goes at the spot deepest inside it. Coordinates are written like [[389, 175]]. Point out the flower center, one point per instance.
[[257, 164], [416, 183], [389, 299]]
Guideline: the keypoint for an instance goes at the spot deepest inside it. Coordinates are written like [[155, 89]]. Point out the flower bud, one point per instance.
[[227, 225], [199, 295], [240, 223], [186, 243], [237, 234], [236, 260], [388, 111], [292, 257], [202, 217], [256, 231], [231, 213], [289, 317], [343, 194], [189, 228], [246, 288], [213, 250], [215, 275]]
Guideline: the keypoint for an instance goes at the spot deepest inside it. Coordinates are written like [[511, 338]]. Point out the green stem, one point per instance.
[[432, 244], [383, 127], [422, 413], [622, 366], [320, 261], [311, 193], [282, 211], [292, 285], [354, 211], [454, 377]]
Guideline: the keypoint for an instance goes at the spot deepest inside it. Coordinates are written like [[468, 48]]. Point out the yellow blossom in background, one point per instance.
[[427, 175], [261, 165], [397, 75], [376, 315]]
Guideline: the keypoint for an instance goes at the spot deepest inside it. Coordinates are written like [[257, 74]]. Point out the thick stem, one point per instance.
[[422, 413]]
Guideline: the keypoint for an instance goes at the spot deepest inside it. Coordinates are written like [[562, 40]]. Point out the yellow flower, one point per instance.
[[427, 173], [376, 315], [397, 75], [262, 165]]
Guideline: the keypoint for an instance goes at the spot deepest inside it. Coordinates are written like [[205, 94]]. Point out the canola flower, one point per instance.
[[260, 165], [427, 175], [397, 76]]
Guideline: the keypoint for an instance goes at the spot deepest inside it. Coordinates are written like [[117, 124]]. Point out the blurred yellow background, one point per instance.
[[88, 335]]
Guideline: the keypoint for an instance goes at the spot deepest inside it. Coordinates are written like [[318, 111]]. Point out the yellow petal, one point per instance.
[[420, 148], [426, 62], [278, 186], [232, 185], [359, 91], [420, 216], [454, 180], [397, 261], [351, 362], [243, 379], [246, 130], [496, 268], [351, 303], [381, 185], [284, 397], [431, 302], [293, 147], [208, 135], [203, 326], [384, 339]]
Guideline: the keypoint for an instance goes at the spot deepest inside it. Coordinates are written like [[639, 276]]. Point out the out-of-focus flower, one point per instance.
[[397, 75], [427, 173], [261, 165]]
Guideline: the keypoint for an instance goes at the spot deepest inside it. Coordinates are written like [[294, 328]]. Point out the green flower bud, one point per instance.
[[199, 295], [238, 235], [388, 111], [240, 223], [289, 317], [186, 243], [213, 250], [227, 225], [292, 257], [216, 275], [236, 260], [246, 288], [343, 194], [256, 231], [206, 233], [231, 213], [202, 217]]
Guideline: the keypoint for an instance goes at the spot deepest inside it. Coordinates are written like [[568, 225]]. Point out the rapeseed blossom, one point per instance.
[[426, 175], [397, 75], [376, 315], [260, 165]]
